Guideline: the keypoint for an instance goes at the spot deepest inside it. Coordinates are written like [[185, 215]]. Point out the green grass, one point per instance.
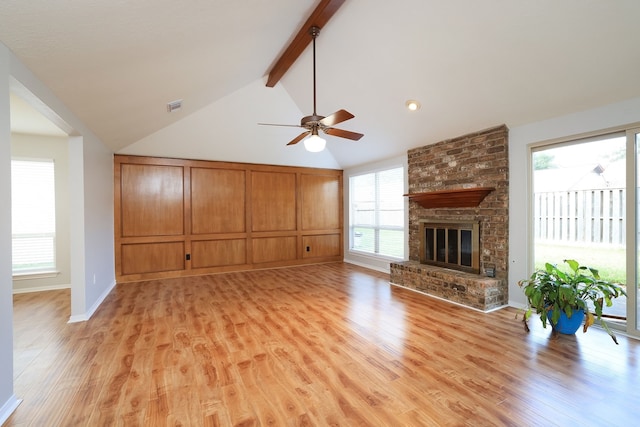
[[391, 242], [609, 262]]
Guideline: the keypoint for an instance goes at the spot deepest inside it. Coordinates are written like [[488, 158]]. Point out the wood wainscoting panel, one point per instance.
[[156, 257], [181, 217], [273, 201], [217, 201], [327, 214], [152, 200], [272, 249], [218, 253], [324, 245]]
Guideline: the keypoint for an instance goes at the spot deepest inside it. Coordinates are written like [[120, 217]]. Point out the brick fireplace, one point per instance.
[[463, 180]]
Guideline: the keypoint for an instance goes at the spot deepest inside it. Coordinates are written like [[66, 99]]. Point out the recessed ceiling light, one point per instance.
[[412, 105]]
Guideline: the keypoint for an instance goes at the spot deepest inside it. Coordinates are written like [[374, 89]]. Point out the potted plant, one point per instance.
[[574, 296]]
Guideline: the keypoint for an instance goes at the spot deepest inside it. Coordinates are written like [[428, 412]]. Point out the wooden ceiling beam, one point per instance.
[[322, 13]]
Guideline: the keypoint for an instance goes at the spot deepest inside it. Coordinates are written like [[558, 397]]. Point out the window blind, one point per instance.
[[33, 223]]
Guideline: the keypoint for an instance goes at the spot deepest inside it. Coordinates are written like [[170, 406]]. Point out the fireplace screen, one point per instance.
[[450, 244]]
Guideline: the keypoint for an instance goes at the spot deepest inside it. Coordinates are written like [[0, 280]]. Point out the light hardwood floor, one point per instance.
[[320, 345]]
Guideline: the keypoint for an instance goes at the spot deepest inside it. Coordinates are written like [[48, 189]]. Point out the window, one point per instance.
[[377, 213], [33, 223]]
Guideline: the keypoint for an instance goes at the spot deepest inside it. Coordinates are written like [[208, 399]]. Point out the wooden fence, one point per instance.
[[581, 216]]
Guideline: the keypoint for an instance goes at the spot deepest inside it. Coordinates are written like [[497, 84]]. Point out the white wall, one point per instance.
[[56, 148], [91, 216], [372, 261], [8, 400], [520, 138], [99, 262]]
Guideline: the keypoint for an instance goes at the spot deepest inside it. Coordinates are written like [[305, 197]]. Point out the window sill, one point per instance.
[[375, 256], [36, 275]]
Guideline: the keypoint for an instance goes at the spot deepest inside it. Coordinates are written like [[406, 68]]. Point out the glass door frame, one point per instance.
[[633, 240]]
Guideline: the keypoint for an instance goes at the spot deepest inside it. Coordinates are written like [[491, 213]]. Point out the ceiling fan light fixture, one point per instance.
[[412, 105], [314, 143]]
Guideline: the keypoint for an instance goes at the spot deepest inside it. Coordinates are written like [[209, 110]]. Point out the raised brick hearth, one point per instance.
[[472, 290], [476, 160]]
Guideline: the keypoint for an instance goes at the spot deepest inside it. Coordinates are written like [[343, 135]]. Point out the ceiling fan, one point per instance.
[[314, 122]]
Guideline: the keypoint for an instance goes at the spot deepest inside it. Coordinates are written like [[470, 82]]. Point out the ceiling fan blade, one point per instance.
[[337, 117], [343, 133], [298, 138], [275, 124]]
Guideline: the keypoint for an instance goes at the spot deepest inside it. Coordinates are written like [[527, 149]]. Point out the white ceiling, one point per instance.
[[472, 64]]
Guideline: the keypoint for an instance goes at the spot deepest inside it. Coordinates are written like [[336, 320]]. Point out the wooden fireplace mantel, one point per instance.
[[457, 198]]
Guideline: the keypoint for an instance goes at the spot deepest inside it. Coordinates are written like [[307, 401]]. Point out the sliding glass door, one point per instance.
[[579, 200], [633, 306], [586, 206]]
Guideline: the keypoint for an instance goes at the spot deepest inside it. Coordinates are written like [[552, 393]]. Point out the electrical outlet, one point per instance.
[[94, 278]]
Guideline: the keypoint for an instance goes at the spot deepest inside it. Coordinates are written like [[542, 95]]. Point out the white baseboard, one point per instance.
[[9, 406], [86, 316], [516, 304], [40, 289]]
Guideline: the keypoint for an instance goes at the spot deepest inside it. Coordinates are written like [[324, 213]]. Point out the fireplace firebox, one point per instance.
[[450, 244]]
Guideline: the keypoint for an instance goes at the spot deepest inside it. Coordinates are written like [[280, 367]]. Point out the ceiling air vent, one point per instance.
[[174, 105]]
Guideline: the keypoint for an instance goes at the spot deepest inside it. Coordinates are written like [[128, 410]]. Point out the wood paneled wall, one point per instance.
[[178, 217]]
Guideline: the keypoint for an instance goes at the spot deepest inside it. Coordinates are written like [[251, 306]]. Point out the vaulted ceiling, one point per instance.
[[471, 64]]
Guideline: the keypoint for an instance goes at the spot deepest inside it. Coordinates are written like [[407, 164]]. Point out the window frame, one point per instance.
[[376, 227]]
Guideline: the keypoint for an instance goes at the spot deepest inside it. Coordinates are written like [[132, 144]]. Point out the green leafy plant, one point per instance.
[[554, 290]]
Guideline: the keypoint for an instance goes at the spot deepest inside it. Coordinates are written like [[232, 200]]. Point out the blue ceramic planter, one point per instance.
[[568, 325]]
